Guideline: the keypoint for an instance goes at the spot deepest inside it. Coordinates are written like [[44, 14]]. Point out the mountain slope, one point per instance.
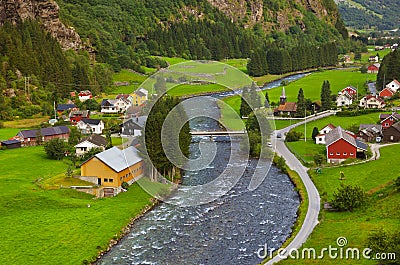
[[362, 14], [126, 30]]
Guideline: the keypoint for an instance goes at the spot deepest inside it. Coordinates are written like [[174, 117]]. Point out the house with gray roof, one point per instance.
[[112, 167], [133, 126], [370, 132], [93, 141], [33, 137]]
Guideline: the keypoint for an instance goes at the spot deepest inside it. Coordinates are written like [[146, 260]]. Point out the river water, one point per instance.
[[228, 230]]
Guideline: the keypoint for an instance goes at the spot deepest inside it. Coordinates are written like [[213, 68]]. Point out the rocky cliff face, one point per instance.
[[277, 15], [46, 12]]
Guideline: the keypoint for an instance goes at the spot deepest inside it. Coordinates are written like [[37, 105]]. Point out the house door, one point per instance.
[[98, 181]]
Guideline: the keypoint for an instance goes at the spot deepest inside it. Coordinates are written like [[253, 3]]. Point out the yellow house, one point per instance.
[[139, 97], [112, 167]]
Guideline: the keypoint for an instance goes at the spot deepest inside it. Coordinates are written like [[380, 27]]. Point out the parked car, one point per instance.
[[278, 135], [269, 145]]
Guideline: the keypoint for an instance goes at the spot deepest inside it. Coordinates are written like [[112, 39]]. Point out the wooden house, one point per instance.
[[112, 167]]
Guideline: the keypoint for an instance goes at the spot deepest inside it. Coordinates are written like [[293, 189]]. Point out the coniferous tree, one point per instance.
[[266, 102], [301, 104], [326, 98], [245, 108]]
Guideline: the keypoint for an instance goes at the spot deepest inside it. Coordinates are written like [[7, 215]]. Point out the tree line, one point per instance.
[[389, 70], [279, 60]]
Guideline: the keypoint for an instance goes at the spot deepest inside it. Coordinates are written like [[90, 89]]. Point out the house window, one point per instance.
[[331, 154], [105, 180], [337, 153], [351, 154], [386, 124], [120, 178], [110, 180], [344, 154], [391, 138]]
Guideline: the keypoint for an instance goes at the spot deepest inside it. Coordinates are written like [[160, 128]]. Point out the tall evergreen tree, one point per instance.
[[245, 108], [301, 104], [326, 98], [266, 102]]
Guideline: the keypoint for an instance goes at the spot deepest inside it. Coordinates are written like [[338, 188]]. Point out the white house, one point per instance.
[[320, 138], [84, 95], [93, 141], [372, 102], [394, 85], [108, 106], [344, 99], [115, 105], [88, 126]]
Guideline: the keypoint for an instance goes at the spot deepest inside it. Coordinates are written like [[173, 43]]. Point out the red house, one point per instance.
[[387, 120], [386, 93], [76, 116], [340, 145]]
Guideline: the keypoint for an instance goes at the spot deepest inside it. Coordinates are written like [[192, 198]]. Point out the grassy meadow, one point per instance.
[[305, 150], [191, 89], [344, 122], [376, 178], [7, 133], [41, 226]]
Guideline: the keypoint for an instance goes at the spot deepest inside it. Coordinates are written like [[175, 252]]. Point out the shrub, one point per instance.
[[125, 185], [348, 197], [293, 136]]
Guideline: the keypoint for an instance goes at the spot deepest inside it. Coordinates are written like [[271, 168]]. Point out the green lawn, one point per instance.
[[381, 212], [55, 226], [344, 122], [312, 84], [6, 133], [118, 140], [240, 64], [371, 52], [135, 79], [189, 89], [280, 124], [306, 150]]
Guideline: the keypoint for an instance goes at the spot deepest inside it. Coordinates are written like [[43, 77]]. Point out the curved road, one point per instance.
[[311, 219]]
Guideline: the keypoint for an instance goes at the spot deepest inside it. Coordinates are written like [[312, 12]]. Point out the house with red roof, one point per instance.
[[352, 91], [76, 116], [373, 68], [340, 146], [372, 102], [387, 93], [387, 120], [84, 95]]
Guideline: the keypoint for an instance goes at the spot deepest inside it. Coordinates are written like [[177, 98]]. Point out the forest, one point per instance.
[[35, 72], [389, 70]]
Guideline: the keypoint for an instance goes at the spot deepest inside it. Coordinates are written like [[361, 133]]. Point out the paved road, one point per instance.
[[311, 219], [372, 88]]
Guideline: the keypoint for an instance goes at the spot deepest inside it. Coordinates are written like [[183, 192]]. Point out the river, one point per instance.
[[228, 230]]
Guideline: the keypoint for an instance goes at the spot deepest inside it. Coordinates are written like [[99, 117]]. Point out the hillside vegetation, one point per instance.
[[365, 14]]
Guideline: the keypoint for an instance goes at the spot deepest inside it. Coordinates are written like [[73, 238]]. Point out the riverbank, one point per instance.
[[304, 202]]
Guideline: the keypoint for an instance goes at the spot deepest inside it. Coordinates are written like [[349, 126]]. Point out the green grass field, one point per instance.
[[306, 150], [312, 84], [135, 79], [55, 226], [6, 133], [344, 122], [381, 212], [118, 140], [26, 123], [189, 89]]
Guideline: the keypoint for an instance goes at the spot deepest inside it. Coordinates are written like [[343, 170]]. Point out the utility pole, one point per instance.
[[305, 125]]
